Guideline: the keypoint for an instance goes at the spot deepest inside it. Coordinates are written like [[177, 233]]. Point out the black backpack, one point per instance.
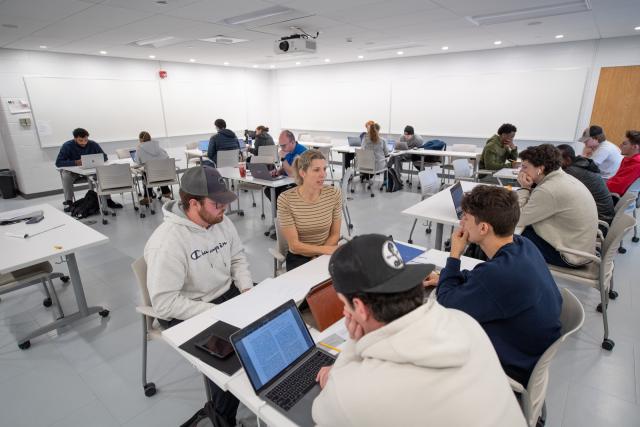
[[393, 182], [86, 206]]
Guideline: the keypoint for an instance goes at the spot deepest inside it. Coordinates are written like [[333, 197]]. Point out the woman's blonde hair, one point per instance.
[[303, 161], [144, 136]]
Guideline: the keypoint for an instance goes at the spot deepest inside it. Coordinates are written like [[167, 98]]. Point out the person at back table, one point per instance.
[[512, 295], [149, 149], [407, 362], [289, 150], [310, 214], [374, 142], [262, 139], [604, 153], [408, 141], [499, 148], [70, 154], [225, 139], [556, 210], [588, 173], [629, 170]]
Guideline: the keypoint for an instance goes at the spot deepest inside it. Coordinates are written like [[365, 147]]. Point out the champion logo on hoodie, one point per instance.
[[195, 255]]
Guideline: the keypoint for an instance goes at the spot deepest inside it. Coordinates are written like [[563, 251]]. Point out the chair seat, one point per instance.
[[590, 271], [114, 191], [28, 273]]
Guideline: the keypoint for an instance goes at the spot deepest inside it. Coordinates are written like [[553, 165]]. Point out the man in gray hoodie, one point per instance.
[[195, 259]]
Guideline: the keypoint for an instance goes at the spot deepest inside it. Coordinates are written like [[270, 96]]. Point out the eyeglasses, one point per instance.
[[216, 204]]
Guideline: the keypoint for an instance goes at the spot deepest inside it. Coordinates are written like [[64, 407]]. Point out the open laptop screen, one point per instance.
[[456, 195], [271, 344], [203, 145], [242, 143], [133, 155], [390, 144]]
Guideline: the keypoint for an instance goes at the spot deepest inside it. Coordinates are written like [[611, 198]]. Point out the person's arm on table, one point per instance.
[[63, 158]]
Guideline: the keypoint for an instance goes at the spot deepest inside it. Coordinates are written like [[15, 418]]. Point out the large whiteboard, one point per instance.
[[111, 110], [543, 104]]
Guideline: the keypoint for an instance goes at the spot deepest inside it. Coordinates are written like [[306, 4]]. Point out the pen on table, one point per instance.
[[329, 346]]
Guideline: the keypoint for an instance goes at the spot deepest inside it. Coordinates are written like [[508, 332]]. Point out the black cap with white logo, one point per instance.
[[372, 263]]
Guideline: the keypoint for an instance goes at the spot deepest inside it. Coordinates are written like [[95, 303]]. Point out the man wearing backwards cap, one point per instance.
[[195, 259], [606, 155], [406, 362]]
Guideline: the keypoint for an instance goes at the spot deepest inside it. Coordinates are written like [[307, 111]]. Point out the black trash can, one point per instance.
[[8, 185]]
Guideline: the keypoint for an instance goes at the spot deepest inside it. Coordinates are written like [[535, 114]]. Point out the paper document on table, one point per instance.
[[24, 231], [439, 259]]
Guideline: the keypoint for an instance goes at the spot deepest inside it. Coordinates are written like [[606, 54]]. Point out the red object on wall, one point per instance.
[[162, 74]]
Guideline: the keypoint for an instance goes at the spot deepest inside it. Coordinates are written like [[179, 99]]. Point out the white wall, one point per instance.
[[35, 165], [592, 54]]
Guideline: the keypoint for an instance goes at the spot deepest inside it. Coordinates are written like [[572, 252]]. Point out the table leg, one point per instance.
[[274, 210], [439, 233]]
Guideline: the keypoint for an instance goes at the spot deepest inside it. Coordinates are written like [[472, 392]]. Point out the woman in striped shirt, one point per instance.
[[310, 214]]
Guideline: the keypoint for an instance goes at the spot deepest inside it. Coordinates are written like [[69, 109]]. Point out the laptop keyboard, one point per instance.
[[299, 382]]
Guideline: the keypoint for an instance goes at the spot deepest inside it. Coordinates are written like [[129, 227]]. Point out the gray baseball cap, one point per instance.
[[206, 181]]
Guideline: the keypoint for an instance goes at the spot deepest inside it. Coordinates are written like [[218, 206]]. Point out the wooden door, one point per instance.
[[617, 104]]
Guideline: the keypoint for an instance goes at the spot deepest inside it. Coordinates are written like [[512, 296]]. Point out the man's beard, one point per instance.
[[211, 219]]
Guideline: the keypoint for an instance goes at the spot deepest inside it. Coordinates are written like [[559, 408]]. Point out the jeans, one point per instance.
[[551, 256]]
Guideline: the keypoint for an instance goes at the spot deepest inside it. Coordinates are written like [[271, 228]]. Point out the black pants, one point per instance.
[[225, 403], [348, 158], [295, 260], [279, 190], [551, 256]]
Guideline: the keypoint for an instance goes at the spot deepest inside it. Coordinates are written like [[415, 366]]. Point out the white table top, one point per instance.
[[439, 207], [507, 173], [316, 144], [71, 236], [92, 171], [345, 149], [234, 173]]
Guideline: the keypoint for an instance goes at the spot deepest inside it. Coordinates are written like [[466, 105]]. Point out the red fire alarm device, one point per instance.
[[162, 74]]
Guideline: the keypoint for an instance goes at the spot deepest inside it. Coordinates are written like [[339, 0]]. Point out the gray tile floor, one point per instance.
[[89, 373]]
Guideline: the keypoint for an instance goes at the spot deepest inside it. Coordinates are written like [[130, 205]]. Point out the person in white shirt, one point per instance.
[[605, 154]]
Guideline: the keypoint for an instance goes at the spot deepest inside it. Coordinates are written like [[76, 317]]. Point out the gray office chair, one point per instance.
[[149, 331], [279, 253], [268, 159], [366, 164], [345, 183], [429, 185], [532, 397], [631, 204], [114, 179], [599, 272], [124, 153], [227, 158], [158, 173]]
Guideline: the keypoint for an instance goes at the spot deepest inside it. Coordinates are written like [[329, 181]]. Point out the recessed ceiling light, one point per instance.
[[560, 36], [327, 60], [43, 47], [445, 48], [497, 42], [360, 56], [272, 66], [152, 56], [637, 28], [226, 63], [192, 60], [400, 52], [298, 63], [103, 52]]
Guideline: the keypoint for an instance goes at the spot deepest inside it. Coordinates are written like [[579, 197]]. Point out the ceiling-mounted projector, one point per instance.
[[294, 43]]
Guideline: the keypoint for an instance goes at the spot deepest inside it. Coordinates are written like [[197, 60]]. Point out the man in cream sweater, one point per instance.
[[407, 363]]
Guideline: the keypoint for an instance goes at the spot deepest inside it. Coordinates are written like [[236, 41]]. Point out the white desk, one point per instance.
[[79, 170], [506, 173], [241, 311], [234, 174], [311, 144], [61, 241], [439, 209]]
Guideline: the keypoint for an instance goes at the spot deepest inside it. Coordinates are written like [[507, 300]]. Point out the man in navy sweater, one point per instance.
[[512, 295], [224, 140], [70, 154]]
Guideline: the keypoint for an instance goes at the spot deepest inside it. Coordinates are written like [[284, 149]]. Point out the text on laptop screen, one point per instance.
[[273, 346]]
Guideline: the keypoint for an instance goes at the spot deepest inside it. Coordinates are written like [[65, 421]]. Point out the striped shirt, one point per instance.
[[312, 220]]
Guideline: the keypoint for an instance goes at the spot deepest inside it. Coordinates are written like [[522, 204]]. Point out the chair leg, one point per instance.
[[149, 388], [275, 267], [253, 198], [413, 227], [55, 298], [104, 220], [607, 343]]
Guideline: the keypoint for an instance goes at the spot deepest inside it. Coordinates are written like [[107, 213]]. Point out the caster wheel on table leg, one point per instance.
[[149, 389], [608, 344], [65, 279], [47, 302], [104, 313], [24, 345], [635, 239], [622, 250], [105, 222], [613, 294]]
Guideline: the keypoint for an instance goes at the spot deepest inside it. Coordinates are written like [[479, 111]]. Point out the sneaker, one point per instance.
[[67, 208], [113, 205]]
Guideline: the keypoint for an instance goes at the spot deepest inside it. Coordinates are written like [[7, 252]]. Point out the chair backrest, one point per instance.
[[365, 160], [268, 150], [571, 319], [262, 159], [326, 152], [283, 246], [227, 158], [305, 137], [462, 168], [620, 225], [192, 145], [463, 147], [429, 182], [123, 153], [161, 170], [624, 202], [114, 176], [139, 268]]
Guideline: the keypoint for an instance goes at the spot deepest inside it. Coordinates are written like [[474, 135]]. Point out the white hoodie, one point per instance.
[[150, 150], [433, 366], [188, 265]]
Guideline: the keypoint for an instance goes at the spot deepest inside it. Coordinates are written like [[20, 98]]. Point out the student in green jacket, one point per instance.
[[499, 148]]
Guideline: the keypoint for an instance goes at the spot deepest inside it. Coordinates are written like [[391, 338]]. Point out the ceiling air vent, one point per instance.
[[220, 39]]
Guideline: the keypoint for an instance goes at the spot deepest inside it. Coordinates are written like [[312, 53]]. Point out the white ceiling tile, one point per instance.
[[148, 5], [396, 22], [217, 10], [46, 11], [472, 7], [355, 14]]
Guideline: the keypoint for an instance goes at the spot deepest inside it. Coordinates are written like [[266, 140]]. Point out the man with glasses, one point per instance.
[[289, 150], [195, 259], [629, 170]]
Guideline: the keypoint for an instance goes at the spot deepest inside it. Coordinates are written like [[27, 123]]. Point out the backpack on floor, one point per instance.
[[393, 182], [86, 206]]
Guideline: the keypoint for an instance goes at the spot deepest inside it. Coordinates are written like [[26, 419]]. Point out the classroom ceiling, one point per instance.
[[350, 30]]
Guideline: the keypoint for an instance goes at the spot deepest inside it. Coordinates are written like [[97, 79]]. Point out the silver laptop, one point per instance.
[[282, 361], [456, 195], [354, 141], [263, 171], [90, 161]]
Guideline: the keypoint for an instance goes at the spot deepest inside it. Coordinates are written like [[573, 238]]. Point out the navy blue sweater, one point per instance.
[[514, 298], [224, 140], [70, 152]]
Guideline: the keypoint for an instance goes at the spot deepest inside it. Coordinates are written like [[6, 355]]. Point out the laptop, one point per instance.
[[90, 161], [203, 145], [354, 141], [390, 145], [242, 143], [263, 171], [456, 195], [282, 361], [134, 155]]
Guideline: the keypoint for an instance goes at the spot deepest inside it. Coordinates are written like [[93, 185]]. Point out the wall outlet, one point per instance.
[[25, 123]]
